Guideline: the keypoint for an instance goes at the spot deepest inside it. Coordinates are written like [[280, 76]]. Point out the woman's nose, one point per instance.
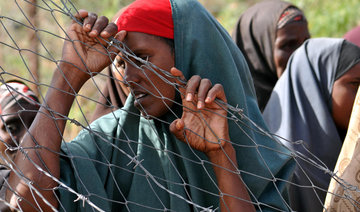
[[132, 75]]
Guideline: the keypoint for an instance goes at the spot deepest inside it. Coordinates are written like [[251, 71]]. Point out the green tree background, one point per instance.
[[326, 19]]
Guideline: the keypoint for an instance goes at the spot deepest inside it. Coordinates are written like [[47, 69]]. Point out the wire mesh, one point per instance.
[[106, 145]]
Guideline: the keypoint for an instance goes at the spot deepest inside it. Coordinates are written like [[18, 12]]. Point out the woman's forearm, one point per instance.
[[83, 52], [235, 196], [41, 145]]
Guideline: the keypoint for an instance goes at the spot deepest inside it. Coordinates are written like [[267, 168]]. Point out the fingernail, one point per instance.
[[189, 97], [207, 100], [104, 33], [88, 26], [93, 32], [178, 125], [200, 105]]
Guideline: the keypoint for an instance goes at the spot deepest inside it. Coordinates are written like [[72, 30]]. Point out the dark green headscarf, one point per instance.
[[171, 175]]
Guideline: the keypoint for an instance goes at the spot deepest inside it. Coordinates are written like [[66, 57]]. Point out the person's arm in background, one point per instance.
[[82, 53], [207, 130]]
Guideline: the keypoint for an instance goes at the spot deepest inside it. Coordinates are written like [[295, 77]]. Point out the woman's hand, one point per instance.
[[203, 123], [83, 52], [85, 49], [204, 126]]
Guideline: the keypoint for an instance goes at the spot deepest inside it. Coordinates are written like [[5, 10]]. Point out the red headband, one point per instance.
[[291, 14], [148, 16]]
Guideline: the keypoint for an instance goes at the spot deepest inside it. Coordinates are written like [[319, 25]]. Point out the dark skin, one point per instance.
[[147, 92], [288, 39], [14, 125], [76, 75], [119, 72], [343, 97], [198, 94], [117, 65]]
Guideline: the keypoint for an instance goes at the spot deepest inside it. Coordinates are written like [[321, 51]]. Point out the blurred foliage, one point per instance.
[[326, 18], [330, 18], [104, 7]]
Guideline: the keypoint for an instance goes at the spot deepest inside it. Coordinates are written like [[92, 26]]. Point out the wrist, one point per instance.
[[67, 75], [223, 155]]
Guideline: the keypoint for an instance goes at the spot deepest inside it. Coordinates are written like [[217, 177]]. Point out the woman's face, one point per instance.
[[288, 39], [153, 96], [14, 125], [118, 71], [343, 97]]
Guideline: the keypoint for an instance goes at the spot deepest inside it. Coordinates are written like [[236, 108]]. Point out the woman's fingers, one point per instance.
[[192, 87], [216, 92], [81, 14], [99, 25], [89, 21], [110, 29], [204, 87], [120, 36], [114, 49], [179, 80], [177, 128], [199, 90], [95, 25], [202, 92]]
